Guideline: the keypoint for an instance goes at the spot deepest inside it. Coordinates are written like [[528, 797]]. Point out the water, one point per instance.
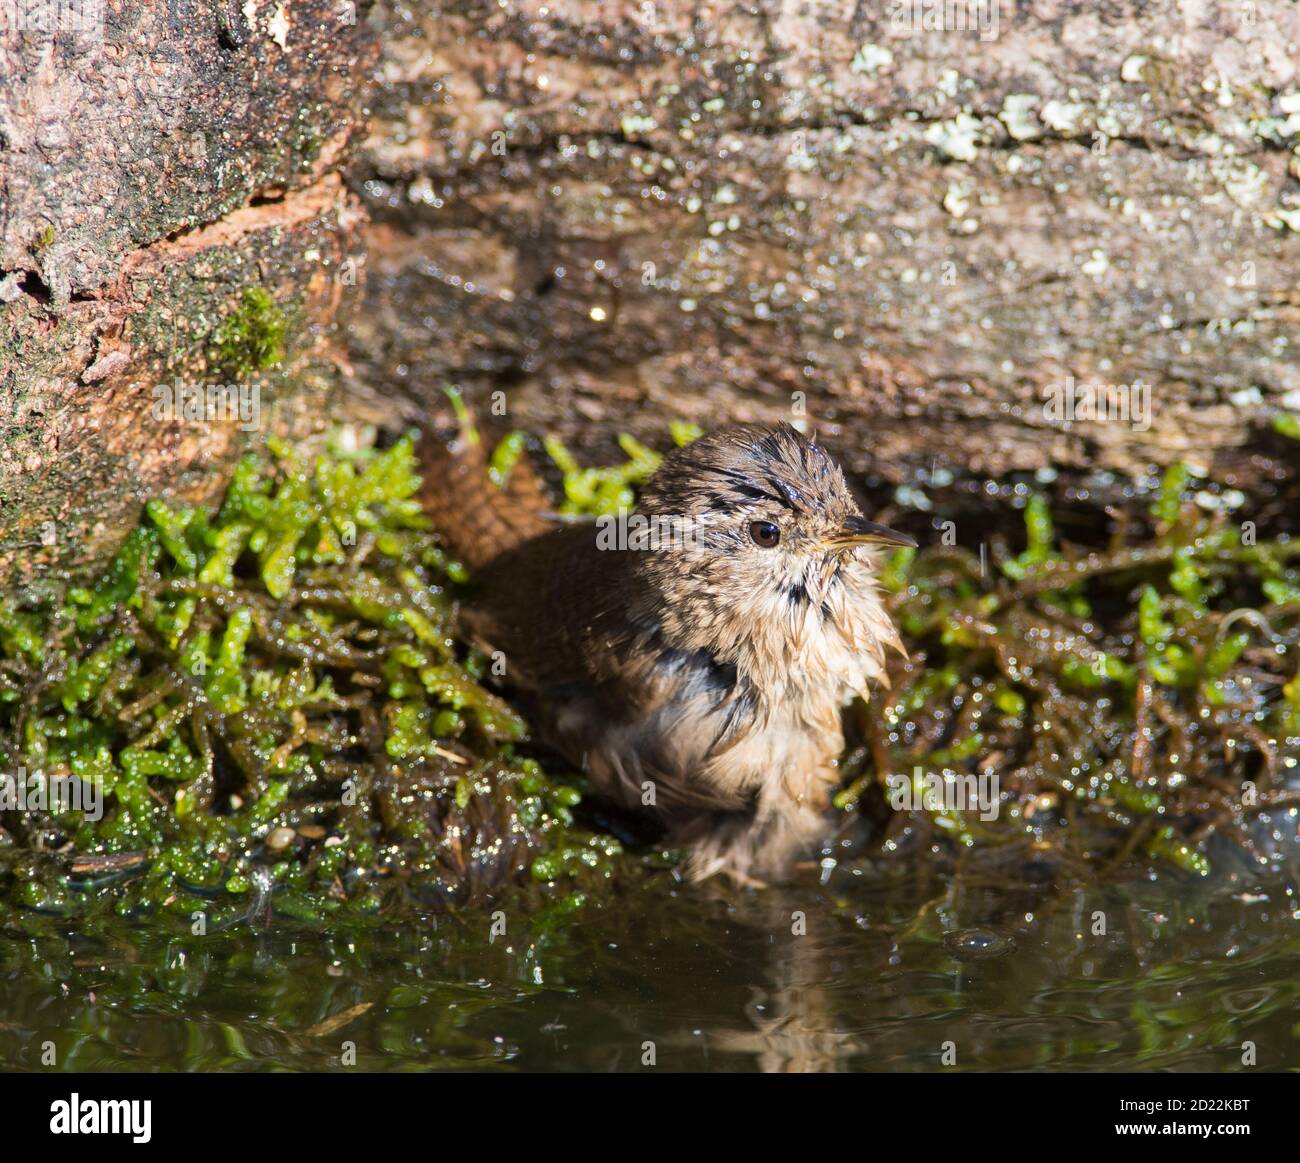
[[865, 972]]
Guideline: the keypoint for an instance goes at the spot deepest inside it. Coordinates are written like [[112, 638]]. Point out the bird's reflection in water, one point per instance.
[[794, 1023], [794, 1028], [800, 1014]]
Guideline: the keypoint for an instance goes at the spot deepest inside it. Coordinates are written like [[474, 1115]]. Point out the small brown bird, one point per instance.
[[695, 658]]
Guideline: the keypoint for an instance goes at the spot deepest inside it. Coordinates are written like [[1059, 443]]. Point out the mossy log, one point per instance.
[[618, 213], [171, 213]]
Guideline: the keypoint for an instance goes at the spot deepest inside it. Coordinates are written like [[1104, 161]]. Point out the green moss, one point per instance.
[[289, 665], [1164, 709], [251, 338], [1288, 424], [600, 491], [285, 669]]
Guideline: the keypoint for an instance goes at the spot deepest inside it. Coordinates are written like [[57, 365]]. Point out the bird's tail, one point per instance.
[[479, 519]]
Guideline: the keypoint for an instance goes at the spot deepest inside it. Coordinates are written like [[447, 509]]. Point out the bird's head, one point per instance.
[[773, 550]]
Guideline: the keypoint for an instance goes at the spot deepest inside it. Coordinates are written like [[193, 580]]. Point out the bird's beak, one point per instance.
[[859, 531]]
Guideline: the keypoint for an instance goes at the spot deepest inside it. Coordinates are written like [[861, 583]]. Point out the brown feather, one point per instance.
[[479, 520]]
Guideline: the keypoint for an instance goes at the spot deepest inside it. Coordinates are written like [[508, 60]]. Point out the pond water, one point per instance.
[[854, 968]]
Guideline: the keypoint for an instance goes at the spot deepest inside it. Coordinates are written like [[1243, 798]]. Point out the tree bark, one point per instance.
[[168, 176], [618, 213]]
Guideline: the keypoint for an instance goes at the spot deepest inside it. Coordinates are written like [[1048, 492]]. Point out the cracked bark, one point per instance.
[[622, 213], [152, 170]]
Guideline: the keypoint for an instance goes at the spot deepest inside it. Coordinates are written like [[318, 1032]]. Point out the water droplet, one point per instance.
[[976, 944]]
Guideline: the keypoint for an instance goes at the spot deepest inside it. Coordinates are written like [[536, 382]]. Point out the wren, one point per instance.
[[696, 663]]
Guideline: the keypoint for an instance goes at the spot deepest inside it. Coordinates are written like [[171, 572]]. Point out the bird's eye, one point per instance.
[[764, 533]]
